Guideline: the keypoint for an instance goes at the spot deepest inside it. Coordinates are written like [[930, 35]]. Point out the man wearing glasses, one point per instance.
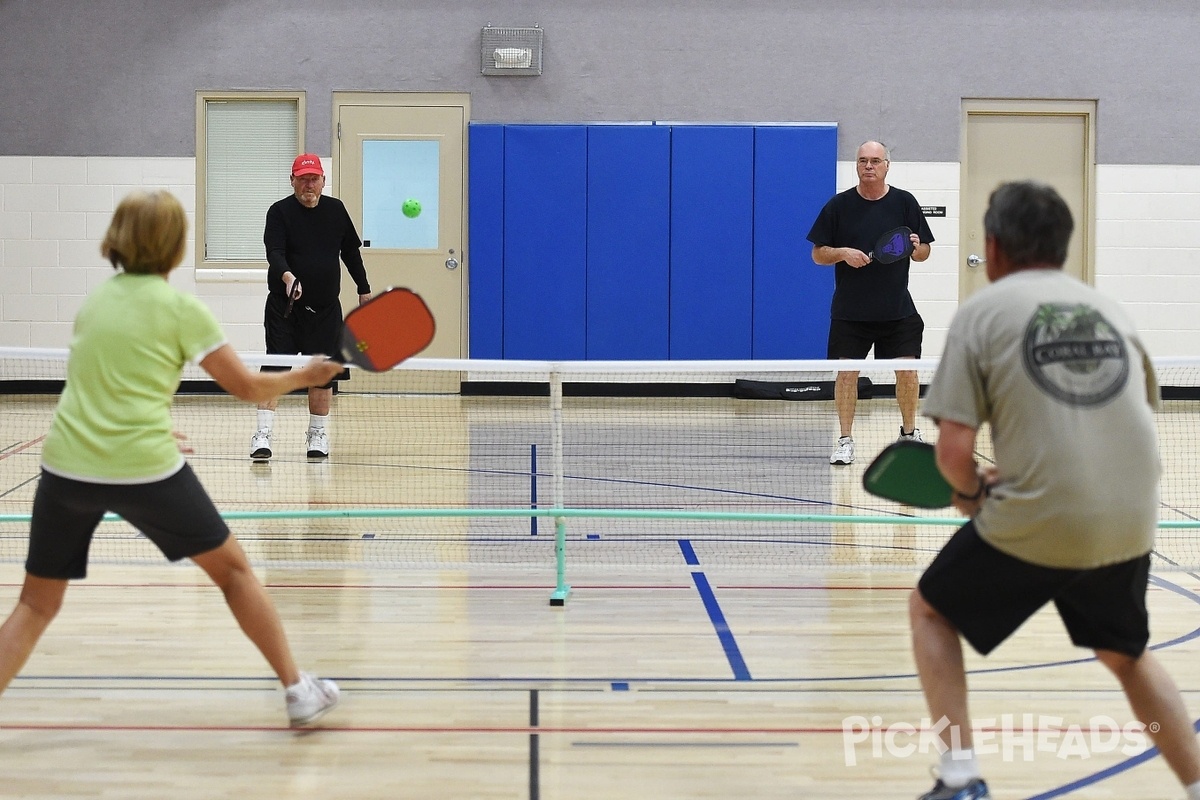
[[305, 235], [871, 303]]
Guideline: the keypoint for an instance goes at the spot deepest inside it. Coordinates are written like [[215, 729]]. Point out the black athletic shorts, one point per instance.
[[899, 338], [987, 594], [174, 513], [305, 331]]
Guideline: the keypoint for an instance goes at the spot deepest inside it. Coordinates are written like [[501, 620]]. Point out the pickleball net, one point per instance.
[[545, 465]]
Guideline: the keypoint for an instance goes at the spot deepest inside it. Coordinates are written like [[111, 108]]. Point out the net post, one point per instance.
[[559, 596]]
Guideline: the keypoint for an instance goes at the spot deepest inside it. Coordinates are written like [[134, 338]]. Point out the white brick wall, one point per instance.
[[53, 212]]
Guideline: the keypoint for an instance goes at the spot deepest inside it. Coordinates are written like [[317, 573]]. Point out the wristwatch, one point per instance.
[[978, 494]]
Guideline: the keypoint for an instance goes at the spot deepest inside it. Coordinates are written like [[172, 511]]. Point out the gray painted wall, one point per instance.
[[118, 77]]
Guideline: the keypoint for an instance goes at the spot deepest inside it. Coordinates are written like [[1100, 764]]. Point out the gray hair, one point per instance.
[[1030, 223], [887, 151]]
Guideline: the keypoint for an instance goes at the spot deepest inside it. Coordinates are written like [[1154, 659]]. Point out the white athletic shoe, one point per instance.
[[915, 436], [844, 454], [260, 445], [318, 443], [310, 699]]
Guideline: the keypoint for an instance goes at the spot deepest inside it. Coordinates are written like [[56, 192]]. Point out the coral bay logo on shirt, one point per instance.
[[1075, 355]]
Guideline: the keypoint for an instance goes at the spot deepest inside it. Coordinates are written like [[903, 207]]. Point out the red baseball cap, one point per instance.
[[307, 164]]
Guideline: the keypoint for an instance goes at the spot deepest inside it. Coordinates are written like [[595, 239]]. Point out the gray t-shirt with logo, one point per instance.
[[1057, 370]]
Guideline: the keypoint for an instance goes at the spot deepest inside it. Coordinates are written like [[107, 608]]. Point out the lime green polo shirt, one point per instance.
[[131, 340]]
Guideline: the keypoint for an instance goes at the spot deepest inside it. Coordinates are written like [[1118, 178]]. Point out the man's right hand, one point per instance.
[[856, 258], [292, 286], [828, 256]]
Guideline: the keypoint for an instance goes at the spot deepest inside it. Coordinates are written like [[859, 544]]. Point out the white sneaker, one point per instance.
[[915, 436], [310, 699], [318, 443], [844, 454], [260, 445]]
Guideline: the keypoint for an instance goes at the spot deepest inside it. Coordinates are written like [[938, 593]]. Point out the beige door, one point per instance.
[[392, 149], [1046, 140], [400, 169]]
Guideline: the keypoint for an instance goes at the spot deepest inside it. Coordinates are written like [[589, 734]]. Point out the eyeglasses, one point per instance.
[[874, 162]]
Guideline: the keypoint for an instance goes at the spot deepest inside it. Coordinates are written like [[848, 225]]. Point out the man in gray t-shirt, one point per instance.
[[1068, 512], [1048, 361]]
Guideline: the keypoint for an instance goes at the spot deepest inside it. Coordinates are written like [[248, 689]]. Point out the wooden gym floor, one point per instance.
[[681, 666]]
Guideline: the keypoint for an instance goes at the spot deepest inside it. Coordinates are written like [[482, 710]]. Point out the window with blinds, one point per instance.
[[245, 143]]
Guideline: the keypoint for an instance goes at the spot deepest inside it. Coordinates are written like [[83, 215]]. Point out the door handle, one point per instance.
[[974, 260]]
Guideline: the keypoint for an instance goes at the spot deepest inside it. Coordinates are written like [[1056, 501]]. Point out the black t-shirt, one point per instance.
[[308, 242], [876, 292]]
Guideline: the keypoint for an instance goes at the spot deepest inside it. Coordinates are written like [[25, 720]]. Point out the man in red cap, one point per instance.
[[305, 235]]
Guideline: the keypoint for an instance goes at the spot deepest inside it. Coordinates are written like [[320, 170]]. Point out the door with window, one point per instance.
[[400, 171]]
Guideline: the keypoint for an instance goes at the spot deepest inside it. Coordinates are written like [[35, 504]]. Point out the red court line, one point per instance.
[[523, 730], [22, 448], [399, 587], [473, 586], [816, 588], [432, 729], [514, 587]]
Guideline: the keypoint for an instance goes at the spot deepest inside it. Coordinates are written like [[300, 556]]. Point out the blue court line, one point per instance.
[[1153, 752], [715, 615], [1103, 774], [533, 476], [736, 662]]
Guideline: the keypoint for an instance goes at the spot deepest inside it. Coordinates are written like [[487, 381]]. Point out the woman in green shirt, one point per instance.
[[111, 448]]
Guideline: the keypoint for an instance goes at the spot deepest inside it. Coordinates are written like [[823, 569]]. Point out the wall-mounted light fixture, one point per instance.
[[510, 51]]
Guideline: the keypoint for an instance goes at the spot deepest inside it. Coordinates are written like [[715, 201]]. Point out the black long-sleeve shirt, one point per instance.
[[308, 242]]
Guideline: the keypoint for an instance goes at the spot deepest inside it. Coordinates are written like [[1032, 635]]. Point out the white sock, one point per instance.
[[266, 419], [958, 768], [1193, 791], [317, 423]]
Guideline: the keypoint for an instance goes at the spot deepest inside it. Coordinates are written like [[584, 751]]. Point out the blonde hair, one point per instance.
[[147, 234]]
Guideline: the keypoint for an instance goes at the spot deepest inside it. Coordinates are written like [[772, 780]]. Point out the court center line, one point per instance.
[[728, 643], [535, 784]]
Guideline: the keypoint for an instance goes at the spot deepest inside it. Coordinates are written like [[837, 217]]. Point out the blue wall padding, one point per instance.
[[485, 270], [794, 175], [712, 241], [610, 242], [545, 242], [628, 245]]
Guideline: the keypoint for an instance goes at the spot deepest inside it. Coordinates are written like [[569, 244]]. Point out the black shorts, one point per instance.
[[987, 594], [899, 338], [174, 513], [305, 331]]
